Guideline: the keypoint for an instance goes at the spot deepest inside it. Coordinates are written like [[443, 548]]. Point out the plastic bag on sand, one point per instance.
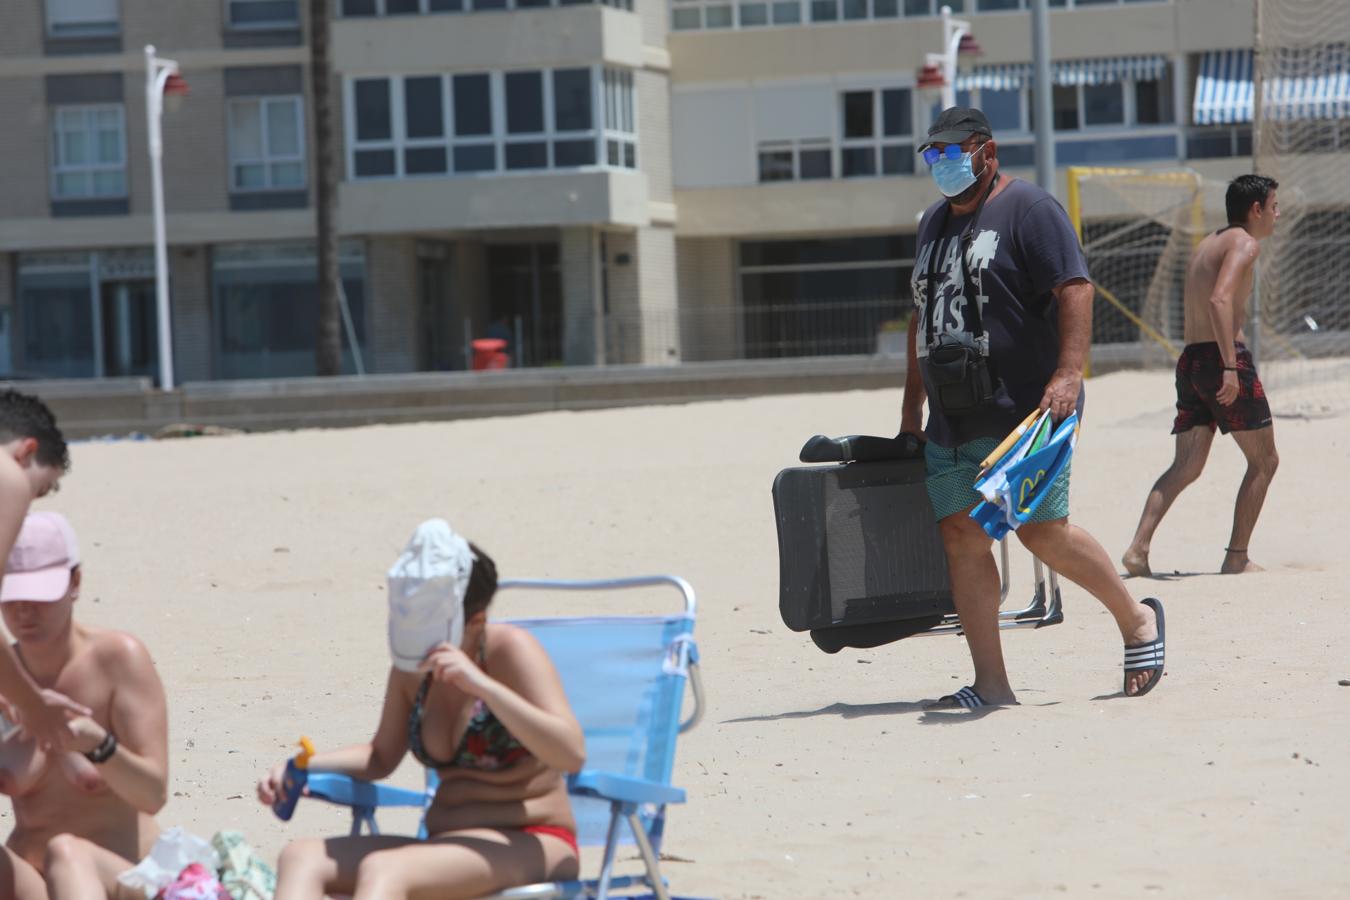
[[242, 871], [196, 882], [173, 852]]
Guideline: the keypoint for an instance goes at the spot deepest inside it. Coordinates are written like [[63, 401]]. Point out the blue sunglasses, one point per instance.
[[932, 154]]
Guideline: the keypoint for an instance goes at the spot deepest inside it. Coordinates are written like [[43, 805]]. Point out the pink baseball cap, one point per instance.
[[44, 554]]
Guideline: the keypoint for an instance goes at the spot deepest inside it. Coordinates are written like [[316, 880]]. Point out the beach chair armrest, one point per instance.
[[345, 791], [608, 786]]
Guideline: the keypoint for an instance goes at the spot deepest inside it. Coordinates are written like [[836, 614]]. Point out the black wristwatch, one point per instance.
[[104, 750]]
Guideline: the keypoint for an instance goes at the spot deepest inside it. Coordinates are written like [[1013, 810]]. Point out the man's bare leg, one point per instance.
[[1191, 454], [975, 592], [1262, 461], [1076, 555]]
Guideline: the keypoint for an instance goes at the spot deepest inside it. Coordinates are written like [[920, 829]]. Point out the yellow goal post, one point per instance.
[[1136, 227]]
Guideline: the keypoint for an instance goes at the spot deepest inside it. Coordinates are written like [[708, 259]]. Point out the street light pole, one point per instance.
[[157, 74], [1043, 108], [952, 32], [956, 39]]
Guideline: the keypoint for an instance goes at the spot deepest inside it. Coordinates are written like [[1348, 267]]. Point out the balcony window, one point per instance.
[[88, 152], [355, 9], [803, 160], [82, 18], [267, 143], [262, 14], [535, 119], [877, 127]]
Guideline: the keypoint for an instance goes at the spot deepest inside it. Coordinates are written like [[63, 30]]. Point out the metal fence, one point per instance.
[[843, 327]]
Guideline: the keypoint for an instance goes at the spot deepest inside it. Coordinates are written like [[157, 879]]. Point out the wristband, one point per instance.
[[1230, 368], [104, 750]]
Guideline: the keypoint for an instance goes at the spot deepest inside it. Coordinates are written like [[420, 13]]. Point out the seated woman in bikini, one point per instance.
[[488, 712]]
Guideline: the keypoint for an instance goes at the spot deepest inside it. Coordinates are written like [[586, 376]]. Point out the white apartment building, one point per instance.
[[638, 181]]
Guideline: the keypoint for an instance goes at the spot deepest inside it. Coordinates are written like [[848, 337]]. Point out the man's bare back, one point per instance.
[[62, 792], [1217, 384], [1237, 248]]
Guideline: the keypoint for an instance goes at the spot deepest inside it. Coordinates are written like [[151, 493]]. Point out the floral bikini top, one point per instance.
[[486, 743]]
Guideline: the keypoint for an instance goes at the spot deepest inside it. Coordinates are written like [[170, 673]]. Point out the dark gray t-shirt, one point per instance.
[[1025, 248]]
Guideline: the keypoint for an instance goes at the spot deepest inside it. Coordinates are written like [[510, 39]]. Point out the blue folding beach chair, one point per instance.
[[625, 677]]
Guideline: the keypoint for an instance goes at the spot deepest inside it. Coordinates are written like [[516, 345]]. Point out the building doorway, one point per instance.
[[525, 300], [130, 334]]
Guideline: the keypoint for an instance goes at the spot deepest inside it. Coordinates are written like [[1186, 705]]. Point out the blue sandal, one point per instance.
[[1148, 657]]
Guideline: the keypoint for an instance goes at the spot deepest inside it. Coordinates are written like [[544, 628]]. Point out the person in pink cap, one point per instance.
[[33, 457], [85, 812]]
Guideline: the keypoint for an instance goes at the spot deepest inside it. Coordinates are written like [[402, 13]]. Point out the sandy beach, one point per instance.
[[253, 568]]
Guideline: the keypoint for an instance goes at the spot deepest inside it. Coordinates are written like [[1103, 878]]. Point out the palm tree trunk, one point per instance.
[[328, 337]]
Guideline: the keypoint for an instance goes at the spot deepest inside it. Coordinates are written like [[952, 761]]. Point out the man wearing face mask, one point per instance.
[[1003, 319]]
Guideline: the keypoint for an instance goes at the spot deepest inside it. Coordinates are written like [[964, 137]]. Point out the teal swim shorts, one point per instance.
[[951, 481]]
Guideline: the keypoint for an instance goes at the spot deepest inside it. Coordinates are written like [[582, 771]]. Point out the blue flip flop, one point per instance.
[[1147, 657]]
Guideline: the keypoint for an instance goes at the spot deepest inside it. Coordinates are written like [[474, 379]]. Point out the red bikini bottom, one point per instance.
[[556, 831]]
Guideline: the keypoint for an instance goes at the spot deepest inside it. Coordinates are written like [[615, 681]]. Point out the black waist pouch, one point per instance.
[[962, 383]]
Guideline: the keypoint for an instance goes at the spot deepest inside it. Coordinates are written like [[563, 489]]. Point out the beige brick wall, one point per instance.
[[195, 152], [24, 168], [654, 138], [138, 151], [171, 24], [624, 324], [657, 287], [577, 258], [643, 325], [21, 28], [655, 21], [707, 294], [391, 278], [189, 275]]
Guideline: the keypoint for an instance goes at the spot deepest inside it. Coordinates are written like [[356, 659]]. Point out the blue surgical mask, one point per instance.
[[954, 176]]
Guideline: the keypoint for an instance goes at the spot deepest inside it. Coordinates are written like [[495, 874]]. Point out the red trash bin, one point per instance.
[[489, 353]]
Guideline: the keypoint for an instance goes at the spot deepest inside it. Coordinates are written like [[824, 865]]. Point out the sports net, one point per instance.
[[1301, 136], [1138, 230]]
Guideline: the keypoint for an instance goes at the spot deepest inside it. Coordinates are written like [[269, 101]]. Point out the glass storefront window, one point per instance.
[[85, 315], [820, 297], [58, 323], [267, 300], [6, 361]]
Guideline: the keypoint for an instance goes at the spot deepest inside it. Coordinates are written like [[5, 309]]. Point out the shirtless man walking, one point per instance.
[[83, 813], [1217, 383]]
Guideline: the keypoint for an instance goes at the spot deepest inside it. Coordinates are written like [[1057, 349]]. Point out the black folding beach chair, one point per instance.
[[860, 560]]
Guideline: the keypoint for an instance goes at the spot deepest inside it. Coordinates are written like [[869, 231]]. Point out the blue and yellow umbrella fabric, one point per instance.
[[1017, 476]]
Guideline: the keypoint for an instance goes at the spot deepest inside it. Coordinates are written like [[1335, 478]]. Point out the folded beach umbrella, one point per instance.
[[1019, 487], [1027, 437], [1015, 437]]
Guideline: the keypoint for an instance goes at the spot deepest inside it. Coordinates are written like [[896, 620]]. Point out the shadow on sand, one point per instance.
[[1165, 576], [897, 707]]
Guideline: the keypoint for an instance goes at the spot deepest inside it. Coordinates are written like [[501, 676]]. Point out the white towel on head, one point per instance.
[[427, 584]]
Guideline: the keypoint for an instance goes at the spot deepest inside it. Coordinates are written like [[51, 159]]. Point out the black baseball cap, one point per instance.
[[955, 124]]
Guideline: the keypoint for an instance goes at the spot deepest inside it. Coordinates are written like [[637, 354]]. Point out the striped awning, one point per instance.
[[1014, 76], [1308, 83], [1223, 89]]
